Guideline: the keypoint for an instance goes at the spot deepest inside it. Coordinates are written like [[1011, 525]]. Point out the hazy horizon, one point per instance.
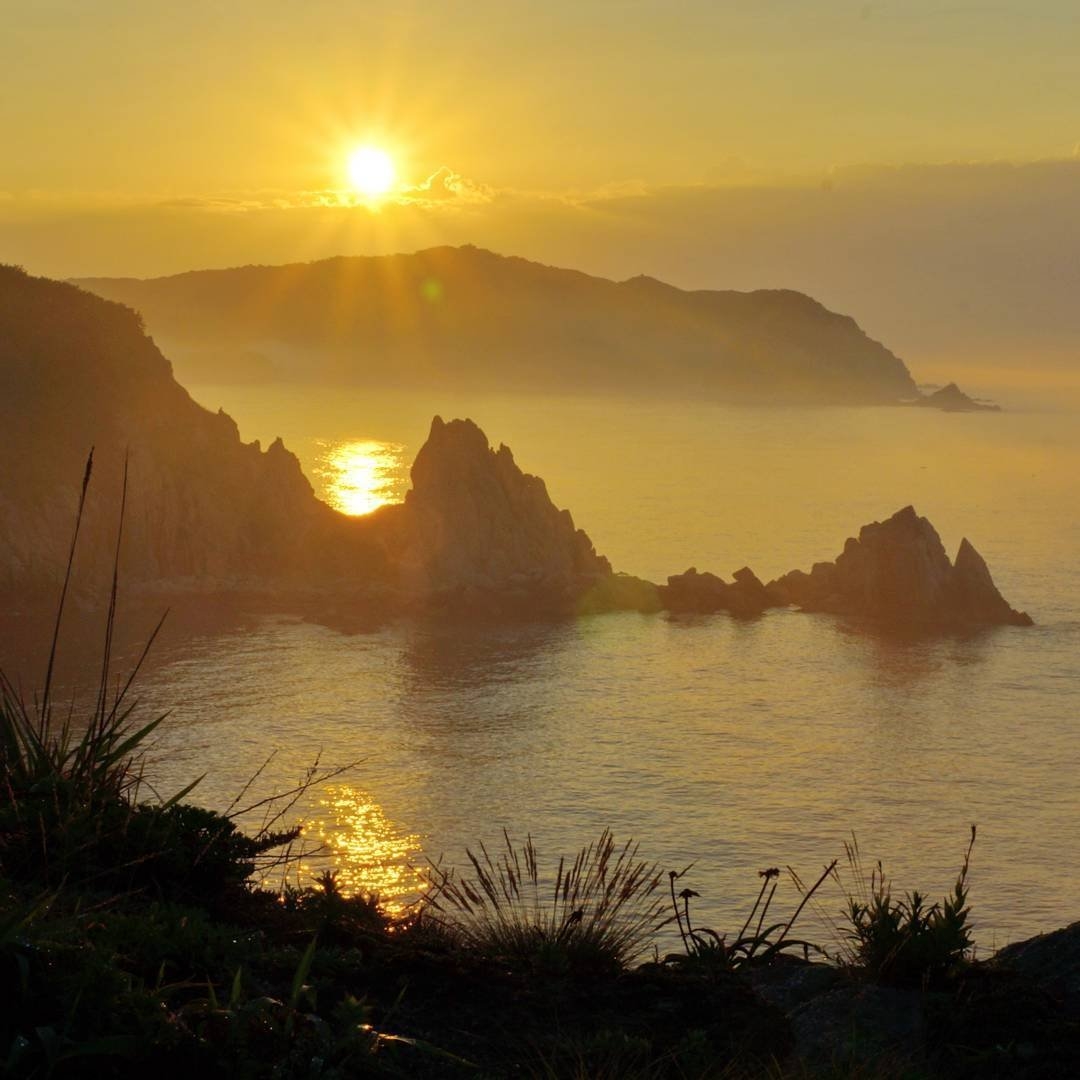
[[913, 166], [962, 270]]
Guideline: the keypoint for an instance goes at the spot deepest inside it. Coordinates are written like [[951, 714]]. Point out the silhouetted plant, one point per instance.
[[69, 789], [904, 941], [595, 913], [757, 942], [337, 918]]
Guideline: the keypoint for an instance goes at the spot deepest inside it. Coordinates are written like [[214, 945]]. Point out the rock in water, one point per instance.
[[695, 592], [976, 596], [952, 399], [897, 571], [703, 593], [476, 527]]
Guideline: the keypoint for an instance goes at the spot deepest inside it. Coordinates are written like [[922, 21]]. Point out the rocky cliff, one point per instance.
[[897, 572], [476, 530], [205, 510], [208, 512]]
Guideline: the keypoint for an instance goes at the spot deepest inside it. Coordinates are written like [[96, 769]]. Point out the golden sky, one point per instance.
[[861, 151], [175, 99]]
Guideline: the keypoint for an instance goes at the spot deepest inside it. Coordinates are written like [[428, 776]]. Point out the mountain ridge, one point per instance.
[[470, 318]]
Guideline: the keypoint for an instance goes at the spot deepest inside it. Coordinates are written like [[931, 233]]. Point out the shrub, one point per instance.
[[757, 942], [338, 919], [903, 941], [594, 914]]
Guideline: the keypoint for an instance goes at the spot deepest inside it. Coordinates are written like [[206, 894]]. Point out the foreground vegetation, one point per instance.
[[137, 940]]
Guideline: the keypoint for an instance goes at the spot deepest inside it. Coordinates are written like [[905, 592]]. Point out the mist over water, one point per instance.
[[737, 745]]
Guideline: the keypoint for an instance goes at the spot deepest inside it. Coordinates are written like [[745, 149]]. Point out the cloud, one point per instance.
[[219, 204], [445, 185], [443, 188]]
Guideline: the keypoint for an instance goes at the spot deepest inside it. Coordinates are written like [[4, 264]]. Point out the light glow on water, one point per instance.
[[360, 475], [370, 854]]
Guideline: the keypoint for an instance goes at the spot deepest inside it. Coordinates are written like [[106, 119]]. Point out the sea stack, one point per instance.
[[476, 530], [897, 572]]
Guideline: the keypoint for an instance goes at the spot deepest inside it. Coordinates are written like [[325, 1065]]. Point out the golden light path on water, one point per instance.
[[370, 855], [360, 475]]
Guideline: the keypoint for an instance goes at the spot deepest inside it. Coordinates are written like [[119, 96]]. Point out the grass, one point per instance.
[[74, 765], [71, 811], [903, 940], [596, 912], [758, 941]]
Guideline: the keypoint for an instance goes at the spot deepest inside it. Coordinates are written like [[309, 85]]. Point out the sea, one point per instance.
[[716, 746]]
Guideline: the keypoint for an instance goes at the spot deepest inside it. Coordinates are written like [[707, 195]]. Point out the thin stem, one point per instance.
[[63, 591]]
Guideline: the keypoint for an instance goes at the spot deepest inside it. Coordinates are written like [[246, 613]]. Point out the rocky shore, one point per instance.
[[1015, 1014]]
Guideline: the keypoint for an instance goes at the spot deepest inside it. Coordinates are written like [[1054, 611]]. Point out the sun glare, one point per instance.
[[370, 854], [371, 171], [361, 475]]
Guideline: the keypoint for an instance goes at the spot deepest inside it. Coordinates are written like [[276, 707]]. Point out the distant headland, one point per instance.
[[463, 318]]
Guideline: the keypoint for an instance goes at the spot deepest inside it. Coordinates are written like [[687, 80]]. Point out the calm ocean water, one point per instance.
[[734, 745]]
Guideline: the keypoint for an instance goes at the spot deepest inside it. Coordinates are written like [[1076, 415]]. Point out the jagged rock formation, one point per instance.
[[451, 317], [897, 572], [475, 527], [952, 399], [702, 593], [204, 509]]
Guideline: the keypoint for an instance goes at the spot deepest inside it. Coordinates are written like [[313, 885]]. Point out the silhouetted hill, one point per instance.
[[467, 318], [204, 508]]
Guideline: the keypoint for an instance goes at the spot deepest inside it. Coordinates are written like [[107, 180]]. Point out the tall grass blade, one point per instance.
[[64, 589]]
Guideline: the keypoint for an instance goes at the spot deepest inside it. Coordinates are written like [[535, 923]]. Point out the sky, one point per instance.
[[827, 145]]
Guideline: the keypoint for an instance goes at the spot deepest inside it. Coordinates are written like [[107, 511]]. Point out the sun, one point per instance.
[[371, 171]]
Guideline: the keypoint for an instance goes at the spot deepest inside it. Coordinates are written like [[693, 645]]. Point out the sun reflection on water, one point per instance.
[[360, 475], [370, 854]]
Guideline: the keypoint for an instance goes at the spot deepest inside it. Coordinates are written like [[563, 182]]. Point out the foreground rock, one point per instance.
[[897, 572], [1053, 959], [1007, 1017]]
